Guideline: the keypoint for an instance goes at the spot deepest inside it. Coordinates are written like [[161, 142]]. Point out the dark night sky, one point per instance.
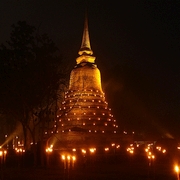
[[137, 45]]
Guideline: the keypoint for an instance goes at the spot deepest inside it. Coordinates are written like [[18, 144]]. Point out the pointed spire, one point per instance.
[[85, 45], [85, 51]]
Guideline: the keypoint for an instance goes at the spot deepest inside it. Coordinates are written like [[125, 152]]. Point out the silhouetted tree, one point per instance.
[[31, 79]]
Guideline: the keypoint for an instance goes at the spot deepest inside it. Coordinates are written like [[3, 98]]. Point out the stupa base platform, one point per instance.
[[77, 140]]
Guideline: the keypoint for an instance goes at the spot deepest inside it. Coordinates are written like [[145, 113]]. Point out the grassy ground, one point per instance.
[[116, 169]]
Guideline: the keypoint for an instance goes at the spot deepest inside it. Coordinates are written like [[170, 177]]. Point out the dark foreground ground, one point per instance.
[[111, 168]]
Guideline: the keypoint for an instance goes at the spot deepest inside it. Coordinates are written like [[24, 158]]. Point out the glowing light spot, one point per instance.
[[83, 151], [92, 150], [63, 157]]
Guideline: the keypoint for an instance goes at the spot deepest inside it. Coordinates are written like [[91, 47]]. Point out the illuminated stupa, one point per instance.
[[84, 118]]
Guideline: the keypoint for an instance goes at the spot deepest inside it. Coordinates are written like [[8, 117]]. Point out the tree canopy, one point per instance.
[[30, 68], [32, 73]]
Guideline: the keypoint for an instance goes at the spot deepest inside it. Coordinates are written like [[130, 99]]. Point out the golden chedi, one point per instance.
[[84, 117]]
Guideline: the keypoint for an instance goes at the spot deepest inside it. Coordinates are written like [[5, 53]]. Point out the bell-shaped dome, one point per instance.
[[85, 76]]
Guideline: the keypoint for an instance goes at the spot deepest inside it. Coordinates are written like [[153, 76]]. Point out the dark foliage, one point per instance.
[[30, 69]]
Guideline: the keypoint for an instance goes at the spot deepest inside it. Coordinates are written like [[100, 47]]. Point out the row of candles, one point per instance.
[[151, 156], [68, 160], [3, 154]]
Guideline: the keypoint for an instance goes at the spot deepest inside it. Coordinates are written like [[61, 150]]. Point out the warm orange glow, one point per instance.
[[68, 157], [176, 168], [63, 157], [131, 151], [87, 100], [83, 151], [92, 150], [73, 158], [151, 156], [49, 149], [5, 152], [158, 148], [19, 150]]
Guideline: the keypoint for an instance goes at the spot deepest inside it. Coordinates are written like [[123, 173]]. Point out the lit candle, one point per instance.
[[64, 160], [73, 160]]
